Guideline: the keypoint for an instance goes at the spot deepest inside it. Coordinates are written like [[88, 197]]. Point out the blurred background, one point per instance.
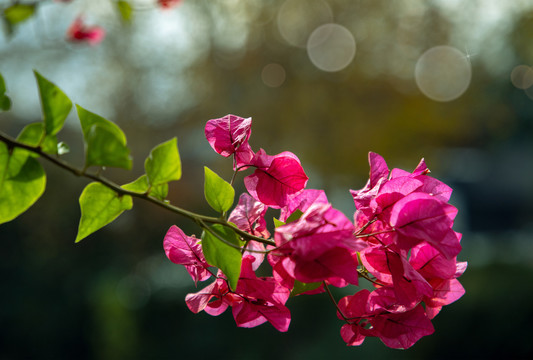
[[329, 80]]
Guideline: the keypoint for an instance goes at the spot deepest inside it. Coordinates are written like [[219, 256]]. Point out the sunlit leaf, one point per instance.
[[33, 135], [125, 10], [105, 142], [225, 257], [163, 164], [141, 186], [55, 104], [22, 182], [218, 193], [100, 206]]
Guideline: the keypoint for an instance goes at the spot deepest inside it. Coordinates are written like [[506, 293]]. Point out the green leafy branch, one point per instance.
[[23, 180]]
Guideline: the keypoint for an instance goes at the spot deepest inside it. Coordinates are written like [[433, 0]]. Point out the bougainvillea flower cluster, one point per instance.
[[401, 240]]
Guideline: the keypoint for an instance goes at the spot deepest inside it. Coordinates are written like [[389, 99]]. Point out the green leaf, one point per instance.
[[125, 10], [105, 149], [100, 206], [22, 182], [163, 164], [300, 287], [105, 143], [218, 193], [33, 135], [3, 88], [55, 105], [18, 13], [223, 256], [141, 186], [278, 223], [5, 101], [297, 214]]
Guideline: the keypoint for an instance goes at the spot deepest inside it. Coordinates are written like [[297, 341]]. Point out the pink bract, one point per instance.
[[276, 178], [249, 216], [399, 330], [186, 250], [254, 302], [229, 135]]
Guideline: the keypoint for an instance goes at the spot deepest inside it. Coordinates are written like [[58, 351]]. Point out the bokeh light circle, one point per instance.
[[298, 18], [522, 77], [273, 75], [443, 73], [331, 47]]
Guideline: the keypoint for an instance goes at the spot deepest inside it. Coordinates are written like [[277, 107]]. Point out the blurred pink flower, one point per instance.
[[79, 32], [167, 4]]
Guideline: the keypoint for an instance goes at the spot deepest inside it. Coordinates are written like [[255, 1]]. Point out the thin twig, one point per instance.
[[334, 302]]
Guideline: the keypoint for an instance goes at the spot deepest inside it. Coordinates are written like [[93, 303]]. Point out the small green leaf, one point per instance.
[[62, 148], [3, 88], [297, 214], [218, 193], [223, 256], [159, 191], [141, 186], [125, 10], [105, 143], [55, 105], [33, 135], [300, 287], [18, 13], [99, 206], [278, 223], [5, 101], [163, 164], [22, 182]]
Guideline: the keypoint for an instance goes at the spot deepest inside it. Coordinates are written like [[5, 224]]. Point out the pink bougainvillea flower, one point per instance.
[[249, 216], [254, 302], [378, 174], [276, 178], [167, 4], [79, 32], [186, 250], [229, 135], [393, 270], [302, 201], [421, 217], [318, 246], [399, 330]]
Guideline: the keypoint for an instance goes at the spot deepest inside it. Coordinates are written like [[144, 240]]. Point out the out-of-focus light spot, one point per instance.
[[133, 292], [331, 47], [273, 75], [298, 18], [443, 73], [522, 77]]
